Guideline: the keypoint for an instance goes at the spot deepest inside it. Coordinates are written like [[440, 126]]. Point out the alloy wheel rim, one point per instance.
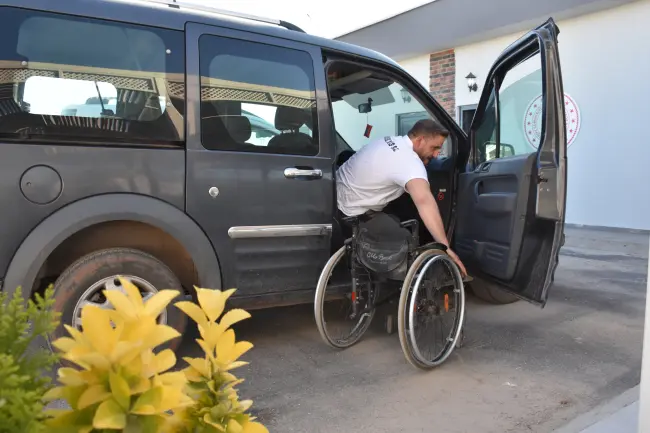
[[93, 295]]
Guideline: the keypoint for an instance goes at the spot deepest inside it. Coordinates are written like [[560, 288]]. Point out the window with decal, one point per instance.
[[118, 84], [520, 114]]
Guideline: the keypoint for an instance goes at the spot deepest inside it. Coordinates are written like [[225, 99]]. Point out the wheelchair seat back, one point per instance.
[[382, 244]]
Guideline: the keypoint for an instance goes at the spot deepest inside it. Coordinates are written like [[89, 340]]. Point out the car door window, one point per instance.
[[519, 118], [393, 110], [257, 98]]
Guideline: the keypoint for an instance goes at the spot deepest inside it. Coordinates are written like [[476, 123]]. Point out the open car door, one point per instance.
[[512, 197]]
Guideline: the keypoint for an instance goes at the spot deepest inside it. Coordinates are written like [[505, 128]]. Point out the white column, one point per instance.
[[644, 393]]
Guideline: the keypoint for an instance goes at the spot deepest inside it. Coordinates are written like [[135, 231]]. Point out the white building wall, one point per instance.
[[418, 67], [606, 70]]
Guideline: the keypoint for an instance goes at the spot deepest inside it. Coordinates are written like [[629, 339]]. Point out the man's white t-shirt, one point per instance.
[[377, 174]]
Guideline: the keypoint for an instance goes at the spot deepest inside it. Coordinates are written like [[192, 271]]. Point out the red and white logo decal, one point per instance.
[[533, 120]]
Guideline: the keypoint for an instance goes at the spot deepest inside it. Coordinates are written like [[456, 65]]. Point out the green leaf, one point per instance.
[[72, 394], [234, 427], [24, 378], [148, 403], [70, 420], [53, 394], [219, 411], [144, 424], [93, 395], [120, 390], [109, 415], [213, 422]]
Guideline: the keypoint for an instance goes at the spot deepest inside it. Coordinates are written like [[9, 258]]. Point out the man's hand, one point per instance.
[[458, 262]]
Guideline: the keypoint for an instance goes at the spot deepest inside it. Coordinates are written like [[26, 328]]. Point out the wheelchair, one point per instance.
[[427, 281]]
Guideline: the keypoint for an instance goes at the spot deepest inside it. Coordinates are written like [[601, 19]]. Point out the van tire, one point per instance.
[[88, 270], [490, 293]]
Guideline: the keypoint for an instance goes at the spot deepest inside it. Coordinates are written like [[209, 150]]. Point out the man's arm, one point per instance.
[[428, 209]]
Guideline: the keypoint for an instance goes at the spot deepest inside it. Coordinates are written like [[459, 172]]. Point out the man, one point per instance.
[[382, 170]]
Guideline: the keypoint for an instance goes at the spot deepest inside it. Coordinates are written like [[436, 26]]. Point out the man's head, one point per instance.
[[428, 137]]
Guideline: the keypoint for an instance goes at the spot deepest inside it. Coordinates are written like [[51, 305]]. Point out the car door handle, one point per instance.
[[478, 189], [305, 173]]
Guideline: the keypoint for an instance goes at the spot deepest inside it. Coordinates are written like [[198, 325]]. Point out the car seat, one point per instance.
[[291, 140]]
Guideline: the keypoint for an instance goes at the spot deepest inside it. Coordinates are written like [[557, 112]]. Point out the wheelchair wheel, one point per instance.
[[343, 315], [432, 296]]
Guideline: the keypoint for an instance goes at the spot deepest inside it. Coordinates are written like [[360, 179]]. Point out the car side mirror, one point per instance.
[[505, 150]]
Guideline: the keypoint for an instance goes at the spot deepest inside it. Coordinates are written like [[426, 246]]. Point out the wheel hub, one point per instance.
[[94, 296]]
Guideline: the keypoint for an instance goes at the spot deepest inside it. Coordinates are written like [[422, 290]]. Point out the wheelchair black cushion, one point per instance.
[[382, 244]]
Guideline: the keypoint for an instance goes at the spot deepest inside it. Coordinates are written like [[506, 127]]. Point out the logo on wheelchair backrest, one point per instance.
[[380, 257]]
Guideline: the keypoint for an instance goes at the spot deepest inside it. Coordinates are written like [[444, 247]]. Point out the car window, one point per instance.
[[394, 110], [257, 98], [120, 82], [520, 114]]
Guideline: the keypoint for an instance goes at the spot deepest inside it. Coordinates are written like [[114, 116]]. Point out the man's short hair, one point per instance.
[[428, 127]]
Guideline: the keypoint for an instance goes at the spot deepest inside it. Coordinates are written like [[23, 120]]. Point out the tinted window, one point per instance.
[[87, 80], [257, 98]]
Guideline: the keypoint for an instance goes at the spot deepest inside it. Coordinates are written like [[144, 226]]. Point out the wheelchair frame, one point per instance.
[[417, 255]]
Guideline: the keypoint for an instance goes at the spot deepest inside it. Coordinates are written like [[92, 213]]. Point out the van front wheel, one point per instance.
[[84, 282]]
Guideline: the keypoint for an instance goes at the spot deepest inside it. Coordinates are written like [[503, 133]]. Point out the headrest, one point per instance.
[[287, 118], [239, 128]]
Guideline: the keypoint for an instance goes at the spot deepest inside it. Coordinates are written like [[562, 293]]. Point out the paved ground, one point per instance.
[[624, 421], [618, 415], [523, 369]]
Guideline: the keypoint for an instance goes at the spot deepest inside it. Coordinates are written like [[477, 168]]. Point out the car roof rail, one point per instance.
[[192, 6]]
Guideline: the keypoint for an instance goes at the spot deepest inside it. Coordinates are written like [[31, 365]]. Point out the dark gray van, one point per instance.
[[179, 146]]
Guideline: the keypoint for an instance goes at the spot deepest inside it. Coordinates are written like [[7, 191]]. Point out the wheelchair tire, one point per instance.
[[319, 307], [410, 290]]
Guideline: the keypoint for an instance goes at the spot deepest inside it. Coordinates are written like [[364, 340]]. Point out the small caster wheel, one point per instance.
[[390, 324]]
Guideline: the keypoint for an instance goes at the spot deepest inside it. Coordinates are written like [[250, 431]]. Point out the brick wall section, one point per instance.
[[442, 76]]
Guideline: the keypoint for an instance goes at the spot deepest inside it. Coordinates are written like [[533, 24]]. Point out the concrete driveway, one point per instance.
[[522, 369]]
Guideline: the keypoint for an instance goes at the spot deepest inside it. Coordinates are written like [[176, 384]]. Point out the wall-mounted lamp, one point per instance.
[[406, 96], [471, 82]]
